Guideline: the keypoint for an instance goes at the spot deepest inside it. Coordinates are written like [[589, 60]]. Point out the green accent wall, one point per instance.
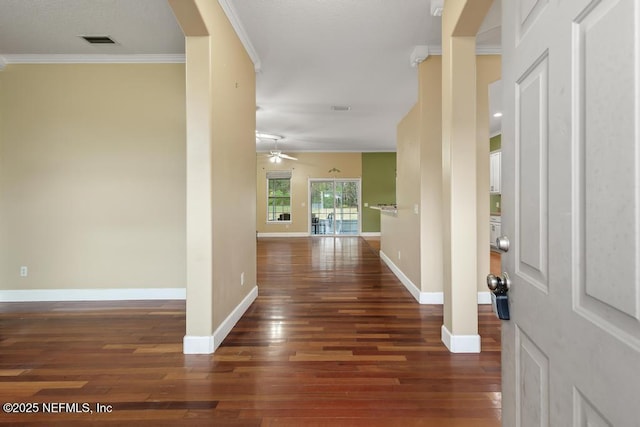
[[495, 143], [378, 187]]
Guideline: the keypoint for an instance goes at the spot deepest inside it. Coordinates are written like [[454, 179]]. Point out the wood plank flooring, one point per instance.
[[333, 339]]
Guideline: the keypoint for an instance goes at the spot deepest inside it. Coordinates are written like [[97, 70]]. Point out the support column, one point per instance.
[[221, 244], [460, 22], [430, 103], [199, 307]]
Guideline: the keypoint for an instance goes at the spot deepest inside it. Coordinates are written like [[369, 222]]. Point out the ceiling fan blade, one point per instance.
[[285, 156]]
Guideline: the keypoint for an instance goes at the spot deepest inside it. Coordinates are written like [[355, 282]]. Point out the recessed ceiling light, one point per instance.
[[498, 114], [340, 107], [99, 39]]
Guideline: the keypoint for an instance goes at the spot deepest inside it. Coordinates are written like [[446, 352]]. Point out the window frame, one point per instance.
[[273, 214]]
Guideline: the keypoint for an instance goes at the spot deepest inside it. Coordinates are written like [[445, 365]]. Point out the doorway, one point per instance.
[[334, 207]]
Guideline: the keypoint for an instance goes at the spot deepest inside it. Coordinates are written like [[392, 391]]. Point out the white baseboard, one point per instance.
[[425, 297], [225, 327], [370, 234], [303, 234], [40, 295], [292, 234], [484, 297], [460, 343], [208, 344], [421, 297], [192, 344]]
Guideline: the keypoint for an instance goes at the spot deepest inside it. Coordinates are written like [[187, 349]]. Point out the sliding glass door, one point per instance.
[[335, 206]]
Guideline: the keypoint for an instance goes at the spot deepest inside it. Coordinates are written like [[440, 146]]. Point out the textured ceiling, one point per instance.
[[313, 54], [53, 27]]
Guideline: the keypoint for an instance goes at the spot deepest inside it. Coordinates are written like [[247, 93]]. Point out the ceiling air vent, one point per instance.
[[340, 107], [99, 39]]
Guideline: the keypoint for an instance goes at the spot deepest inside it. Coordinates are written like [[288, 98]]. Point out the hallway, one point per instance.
[[333, 339]]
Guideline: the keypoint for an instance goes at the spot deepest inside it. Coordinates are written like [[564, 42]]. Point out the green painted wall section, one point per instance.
[[495, 143], [378, 187], [495, 200]]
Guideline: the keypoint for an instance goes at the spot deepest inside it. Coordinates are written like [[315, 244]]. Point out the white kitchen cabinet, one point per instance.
[[495, 230], [495, 162]]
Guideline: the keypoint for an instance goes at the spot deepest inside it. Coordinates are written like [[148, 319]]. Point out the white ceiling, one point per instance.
[[312, 54], [53, 27]]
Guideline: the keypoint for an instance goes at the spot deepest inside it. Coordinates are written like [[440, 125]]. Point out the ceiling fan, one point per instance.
[[275, 155]]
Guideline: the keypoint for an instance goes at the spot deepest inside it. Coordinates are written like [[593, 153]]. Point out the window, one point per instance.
[[279, 196]]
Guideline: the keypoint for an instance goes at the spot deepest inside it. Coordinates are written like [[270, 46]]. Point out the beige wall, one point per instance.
[[308, 165], [400, 234], [233, 160], [421, 165], [430, 99], [92, 176], [221, 240]]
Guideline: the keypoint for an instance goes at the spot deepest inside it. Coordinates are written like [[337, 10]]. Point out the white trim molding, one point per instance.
[[209, 344], [480, 50], [95, 59], [370, 234], [421, 297], [3, 62], [41, 295], [232, 16], [292, 234], [425, 297], [460, 343], [484, 297], [197, 345]]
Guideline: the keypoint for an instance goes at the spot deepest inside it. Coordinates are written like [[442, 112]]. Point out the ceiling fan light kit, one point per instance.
[[275, 156]]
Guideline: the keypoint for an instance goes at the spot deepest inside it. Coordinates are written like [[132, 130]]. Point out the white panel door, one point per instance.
[[571, 197]]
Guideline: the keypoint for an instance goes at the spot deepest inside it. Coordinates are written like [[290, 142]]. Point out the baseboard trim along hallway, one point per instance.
[[41, 295], [425, 297], [460, 343], [209, 344]]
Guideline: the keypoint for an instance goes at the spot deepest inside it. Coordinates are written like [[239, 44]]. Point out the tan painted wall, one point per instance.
[[308, 165], [92, 176], [233, 161], [400, 234], [423, 165], [430, 99], [460, 22]]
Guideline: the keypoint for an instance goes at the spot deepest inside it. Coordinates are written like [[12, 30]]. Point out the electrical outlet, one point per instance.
[[399, 255], [24, 271], [497, 204], [416, 209], [242, 278], [366, 205]]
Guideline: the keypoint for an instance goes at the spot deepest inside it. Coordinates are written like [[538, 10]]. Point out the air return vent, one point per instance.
[[99, 39], [340, 107]]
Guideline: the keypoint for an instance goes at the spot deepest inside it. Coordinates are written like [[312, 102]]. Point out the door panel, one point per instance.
[[531, 142], [532, 371], [335, 207], [346, 212], [609, 177], [571, 207]]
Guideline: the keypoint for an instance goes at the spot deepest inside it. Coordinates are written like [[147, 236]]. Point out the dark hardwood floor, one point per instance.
[[333, 339]]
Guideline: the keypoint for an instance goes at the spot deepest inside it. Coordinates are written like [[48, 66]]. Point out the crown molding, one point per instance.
[[91, 59], [488, 50], [480, 50], [230, 11]]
